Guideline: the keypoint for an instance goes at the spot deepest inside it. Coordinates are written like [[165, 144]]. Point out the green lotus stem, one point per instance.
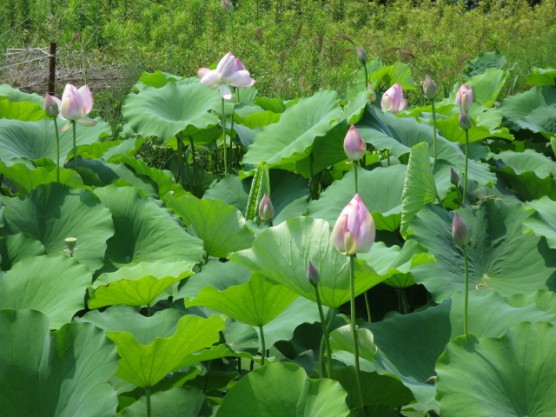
[[180, 158], [325, 338], [57, 150], [354, 331], [434, 131], [466, 295], [194, 162], [74, 143], [366, 77], [224, 137], [148, 395], [355, 165], [263, 347], [466, 173], [403, 305], [367, 306]]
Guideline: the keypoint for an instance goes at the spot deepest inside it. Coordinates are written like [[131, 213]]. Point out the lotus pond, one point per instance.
[[204, 260]]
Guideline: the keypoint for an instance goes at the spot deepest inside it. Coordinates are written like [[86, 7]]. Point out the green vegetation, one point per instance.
[[292, 47]]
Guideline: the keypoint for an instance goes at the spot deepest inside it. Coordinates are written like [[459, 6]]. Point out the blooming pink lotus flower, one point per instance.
[[354, 146], [464, 97], [229, 71], [354, 231], [392, 100], [266, 209], [76, 104]]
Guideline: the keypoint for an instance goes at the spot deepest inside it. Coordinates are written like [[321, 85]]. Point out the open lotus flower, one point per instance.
[[229, 71], [354, 231], [76, 104], [392, 100]]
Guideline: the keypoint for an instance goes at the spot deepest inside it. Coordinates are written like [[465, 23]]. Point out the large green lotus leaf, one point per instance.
[[221, 227], [256, 302], [500, 255], [146, 364], [145, 232], [543, 300], [290, 140], [143, 291], [396, 263], [24, 178], [15, 95], [519, 107], [486, 86], [341, 339], [53, 285], [541, 119], [529, 173], [425, 334], [21, 110], [513, 375], [450, 128], [163, 181], [176, 107], [36, 140], [230, 190], [542, 77], [543, 221], [176, 402], [384, 182], [483, 62], [419, 188], [282, 253], [386, 76], [14, 248], [217, 274], [398, 135], [290, 394], [142, 284], [52, 212], [61, 374], [145, 329]]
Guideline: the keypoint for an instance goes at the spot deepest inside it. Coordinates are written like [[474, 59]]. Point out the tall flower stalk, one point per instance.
[[52, 109], [461, 237], [430, 90], [354, 232], [464, 100]]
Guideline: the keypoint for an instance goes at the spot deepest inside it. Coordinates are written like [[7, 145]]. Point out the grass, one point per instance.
[[292, 47]]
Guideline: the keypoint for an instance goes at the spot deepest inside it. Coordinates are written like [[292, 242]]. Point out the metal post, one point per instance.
[[52, 69]]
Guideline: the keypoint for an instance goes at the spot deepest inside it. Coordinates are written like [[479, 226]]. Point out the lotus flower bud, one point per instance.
[[354, 146], [464, 120], [460, 232], [354, 231], [464, 97], [429, 88], [312, 274], [361, 56], [392, 100], [51, 107], [266, 209], [454, 177]]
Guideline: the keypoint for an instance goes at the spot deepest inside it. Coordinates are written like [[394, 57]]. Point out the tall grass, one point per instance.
[[292, 47]]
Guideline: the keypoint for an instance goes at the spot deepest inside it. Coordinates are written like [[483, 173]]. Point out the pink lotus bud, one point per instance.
[[229, 71], [312, 274], [361, 56], [392, 100], [464, 97], [354, 231], [76, 103], [51, 105], [464, 120], [354, 146], [266, 209], [454, 177], [429, 88], [460, 232]]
